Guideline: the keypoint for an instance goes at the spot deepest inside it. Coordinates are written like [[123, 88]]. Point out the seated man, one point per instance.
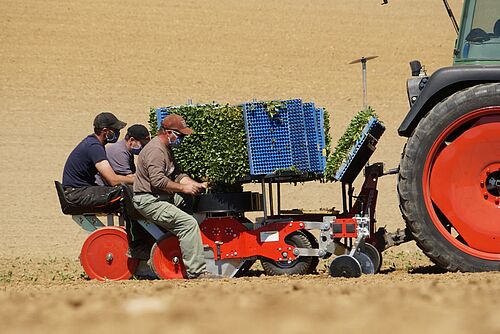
[[121, 158], [86, 160], [157, 193]]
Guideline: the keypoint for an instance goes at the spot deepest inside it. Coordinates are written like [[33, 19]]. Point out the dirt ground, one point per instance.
[[62, 62]]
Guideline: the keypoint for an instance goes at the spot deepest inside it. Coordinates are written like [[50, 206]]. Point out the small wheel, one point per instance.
[[301, 266], [345, 266], [374, 255], [365, 262], [103, 255], [166, 259]]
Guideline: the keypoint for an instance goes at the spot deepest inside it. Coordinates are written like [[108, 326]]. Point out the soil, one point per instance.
[[62, 62]]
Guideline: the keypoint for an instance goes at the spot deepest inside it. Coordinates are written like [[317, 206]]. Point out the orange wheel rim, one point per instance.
[[460, 179]]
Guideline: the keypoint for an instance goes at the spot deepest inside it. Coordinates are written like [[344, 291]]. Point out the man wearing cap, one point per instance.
[[121, 154], [159, 192], [89, 158]]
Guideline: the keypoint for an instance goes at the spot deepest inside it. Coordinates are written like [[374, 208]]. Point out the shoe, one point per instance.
[[140, 252], [207, 275]]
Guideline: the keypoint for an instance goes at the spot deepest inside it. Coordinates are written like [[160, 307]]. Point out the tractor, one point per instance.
[[449, 177]]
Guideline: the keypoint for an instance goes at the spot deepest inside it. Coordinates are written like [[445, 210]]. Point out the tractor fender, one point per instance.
[[443, 83]]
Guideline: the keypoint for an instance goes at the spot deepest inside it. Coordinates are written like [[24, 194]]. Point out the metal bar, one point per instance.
[[344, 198], [349, 193], [365, 98], [271, 200], [278, 190], [152, 229], [451, 15], [264, 199], [110, 220], [88, 223]]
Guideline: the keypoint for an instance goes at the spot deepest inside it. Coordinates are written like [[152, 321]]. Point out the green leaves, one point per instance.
[[350, 136], [152, 122], [217, 151]]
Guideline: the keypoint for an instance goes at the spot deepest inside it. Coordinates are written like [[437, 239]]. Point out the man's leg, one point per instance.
[[181, 224], [95, 197], [184, 202]]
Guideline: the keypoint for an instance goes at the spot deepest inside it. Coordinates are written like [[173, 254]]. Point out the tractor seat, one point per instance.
[[69, 208], [496, 28]]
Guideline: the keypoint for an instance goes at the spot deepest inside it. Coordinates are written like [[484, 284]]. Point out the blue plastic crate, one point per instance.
[[268, 139], [361, 151], [313, 140], [161, 113], [298, 136], [320, 122]]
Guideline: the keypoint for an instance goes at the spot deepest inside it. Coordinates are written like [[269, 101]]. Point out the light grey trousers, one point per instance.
[[171, 217]]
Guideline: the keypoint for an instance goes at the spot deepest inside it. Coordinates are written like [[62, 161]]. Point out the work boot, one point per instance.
[[140, 251], [207, 275]]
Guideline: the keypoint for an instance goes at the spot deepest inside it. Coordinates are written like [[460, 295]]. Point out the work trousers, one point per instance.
[[167, 213]]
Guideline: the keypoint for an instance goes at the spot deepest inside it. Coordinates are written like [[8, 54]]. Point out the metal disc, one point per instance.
[[362, 58], [374, 255], [345, 266], [166, 259], [367, 266], [103, 255]]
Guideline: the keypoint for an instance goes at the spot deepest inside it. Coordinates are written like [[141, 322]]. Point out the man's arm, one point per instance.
[[107, 173], [155, 162]]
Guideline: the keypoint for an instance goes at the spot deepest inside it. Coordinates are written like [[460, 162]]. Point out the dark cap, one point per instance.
[[176, 122], [108, 120], [140, 133]]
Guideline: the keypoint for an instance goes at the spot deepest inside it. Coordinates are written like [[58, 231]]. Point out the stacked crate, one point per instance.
[[290, 137]]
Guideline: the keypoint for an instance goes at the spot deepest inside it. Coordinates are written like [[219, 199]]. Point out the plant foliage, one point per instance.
[[217, 151], [350, 136]]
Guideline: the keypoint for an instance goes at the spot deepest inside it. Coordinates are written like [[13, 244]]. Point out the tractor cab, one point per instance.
[[478, 40]]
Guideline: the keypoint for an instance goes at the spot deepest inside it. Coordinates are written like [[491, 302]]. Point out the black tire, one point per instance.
[[301, 266], [440, 248]]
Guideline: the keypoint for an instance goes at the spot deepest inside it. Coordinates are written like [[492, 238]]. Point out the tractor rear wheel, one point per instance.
[[449, 181]]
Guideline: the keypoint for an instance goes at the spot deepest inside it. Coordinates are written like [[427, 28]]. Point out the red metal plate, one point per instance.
[[166, 259], [455, 173], [103, 255]]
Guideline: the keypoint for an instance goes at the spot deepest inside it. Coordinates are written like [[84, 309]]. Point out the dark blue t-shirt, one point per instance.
[[79, 170]]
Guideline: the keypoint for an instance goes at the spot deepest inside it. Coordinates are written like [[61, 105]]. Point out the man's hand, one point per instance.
[[193, 188], [104, 168]]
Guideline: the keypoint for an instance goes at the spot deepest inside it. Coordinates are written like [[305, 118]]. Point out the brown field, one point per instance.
[[62, 62]]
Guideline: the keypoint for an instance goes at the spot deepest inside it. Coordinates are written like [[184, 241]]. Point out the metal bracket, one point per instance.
[[88, 223], [152, 229]]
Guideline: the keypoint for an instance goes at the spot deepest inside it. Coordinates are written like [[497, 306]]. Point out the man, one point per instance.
[[89, 158], [121, 154], [158, 191], [121, 158]]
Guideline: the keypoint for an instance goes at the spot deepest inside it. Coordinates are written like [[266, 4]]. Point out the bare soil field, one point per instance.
[[62, 62]]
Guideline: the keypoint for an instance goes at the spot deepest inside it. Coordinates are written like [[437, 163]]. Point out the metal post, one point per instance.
[[278, 190], [344, 198], [365, 98], [349, 193], [271, 204], [264, 199]]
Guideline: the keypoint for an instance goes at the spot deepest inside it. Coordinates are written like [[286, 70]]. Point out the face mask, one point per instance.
[[177, 142], [114, 138], [136, 150]]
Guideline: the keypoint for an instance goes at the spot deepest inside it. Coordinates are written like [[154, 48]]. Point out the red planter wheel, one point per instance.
[[103, 255], [166, 259]]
